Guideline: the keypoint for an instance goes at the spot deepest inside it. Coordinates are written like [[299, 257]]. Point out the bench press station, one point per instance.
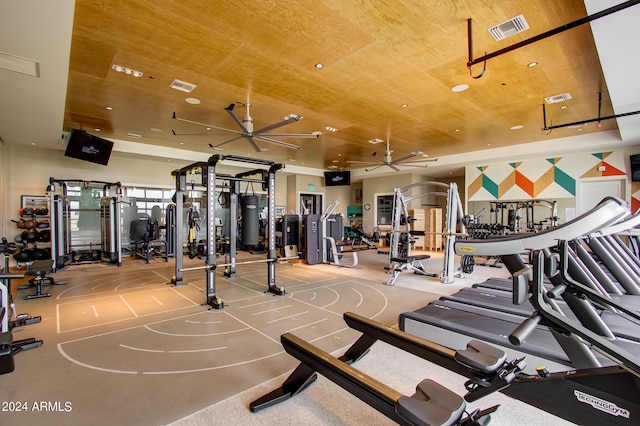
[[410, 263]]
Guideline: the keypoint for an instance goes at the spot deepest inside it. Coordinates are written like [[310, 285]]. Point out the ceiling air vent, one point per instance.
[[508, 28], [558, 98], [182, 86]]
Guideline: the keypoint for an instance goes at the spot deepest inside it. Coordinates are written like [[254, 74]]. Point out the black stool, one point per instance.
[[39, 270]]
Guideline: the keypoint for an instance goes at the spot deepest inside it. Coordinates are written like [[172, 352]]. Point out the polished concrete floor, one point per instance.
[[124, 346]]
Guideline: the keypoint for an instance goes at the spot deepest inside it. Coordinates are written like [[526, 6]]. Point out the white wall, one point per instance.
[[26, 171]]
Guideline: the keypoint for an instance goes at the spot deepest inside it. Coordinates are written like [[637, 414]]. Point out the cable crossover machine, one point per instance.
[[400, 257], [264, 177]]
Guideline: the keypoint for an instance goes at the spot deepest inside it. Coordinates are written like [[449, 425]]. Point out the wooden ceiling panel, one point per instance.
[[377, 56]]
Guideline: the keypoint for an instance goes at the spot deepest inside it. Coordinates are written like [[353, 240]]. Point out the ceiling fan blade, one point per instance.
[[277, 142], [426, 160], [362, 162], [203, 124], [314, 135], [393, 167], [229, 109], [225, 142], [376, 167], [406, 157], [288, 119], [252, 142]]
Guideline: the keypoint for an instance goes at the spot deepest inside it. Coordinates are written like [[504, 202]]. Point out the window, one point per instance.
[[384, 210]]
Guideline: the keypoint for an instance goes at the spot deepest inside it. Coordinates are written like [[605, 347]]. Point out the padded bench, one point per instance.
[[410, 263], [40, 270]]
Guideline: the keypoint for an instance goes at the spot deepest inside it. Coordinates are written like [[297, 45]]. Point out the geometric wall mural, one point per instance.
[[540, 177]]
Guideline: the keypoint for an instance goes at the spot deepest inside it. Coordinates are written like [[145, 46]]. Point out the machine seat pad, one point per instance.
[[40, 268], [410, 258], [482, 357], [432, 404]]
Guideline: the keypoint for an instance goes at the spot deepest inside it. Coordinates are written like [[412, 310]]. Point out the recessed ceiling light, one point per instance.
[[97, 129], [264, 149], [330, 129], [404, 105], [319, 65], [564, 107], [425, 155], [292, 160], [518, 127], [126, 70], [109, 108], [375, 141], [460, 88], [457, 130], [181, 143], [33, 143], [192, 101], [532, 64], [335, 161], [134, 135], [155, 129]]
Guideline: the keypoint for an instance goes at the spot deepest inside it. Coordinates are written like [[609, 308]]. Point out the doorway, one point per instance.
[[310, 203]]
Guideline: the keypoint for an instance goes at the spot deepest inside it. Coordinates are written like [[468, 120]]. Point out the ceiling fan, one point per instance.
[[387, 161], [247, 132]]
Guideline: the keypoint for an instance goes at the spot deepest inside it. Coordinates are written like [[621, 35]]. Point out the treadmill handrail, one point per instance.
[[608, 211], [626, 224], [629, 360]]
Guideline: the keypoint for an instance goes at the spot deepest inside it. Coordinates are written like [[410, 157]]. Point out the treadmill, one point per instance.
[[451, 321]]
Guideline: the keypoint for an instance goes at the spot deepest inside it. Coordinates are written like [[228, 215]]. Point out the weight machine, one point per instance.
[[209, 178], [400, 257], [331, 225], [61, 230]]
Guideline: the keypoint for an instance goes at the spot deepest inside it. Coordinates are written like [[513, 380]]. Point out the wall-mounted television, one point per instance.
[[635, 167], [337, 178], [83, 146]]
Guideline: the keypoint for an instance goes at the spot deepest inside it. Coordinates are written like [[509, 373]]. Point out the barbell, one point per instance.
[[246, 262]]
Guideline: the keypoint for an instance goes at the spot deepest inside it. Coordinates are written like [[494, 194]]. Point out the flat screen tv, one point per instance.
[[635, 167], [337, 178], [84, 146]]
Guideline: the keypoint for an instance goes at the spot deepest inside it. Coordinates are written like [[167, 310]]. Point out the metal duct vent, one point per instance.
[[182, 86], [558, 98], [508, 28]]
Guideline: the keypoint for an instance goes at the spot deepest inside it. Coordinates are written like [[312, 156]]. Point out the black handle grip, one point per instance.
[[520, 334]]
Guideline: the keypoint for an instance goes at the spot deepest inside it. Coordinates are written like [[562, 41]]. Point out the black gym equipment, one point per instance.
[[144, 234], [40, 270], [9, 347], [266, 178], [432, 404], [587, 394], [67, 246]]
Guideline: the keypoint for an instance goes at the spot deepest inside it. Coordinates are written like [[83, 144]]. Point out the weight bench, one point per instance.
[[40, 270], [410, 263]]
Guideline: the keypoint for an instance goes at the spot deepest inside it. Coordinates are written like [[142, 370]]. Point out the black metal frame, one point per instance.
[[369, 390], [209, 178]]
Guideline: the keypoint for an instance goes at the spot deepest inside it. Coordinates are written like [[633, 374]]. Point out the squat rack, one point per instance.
[[209, 177]]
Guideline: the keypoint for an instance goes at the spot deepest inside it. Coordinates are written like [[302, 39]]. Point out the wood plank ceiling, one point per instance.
[[377, 56]]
